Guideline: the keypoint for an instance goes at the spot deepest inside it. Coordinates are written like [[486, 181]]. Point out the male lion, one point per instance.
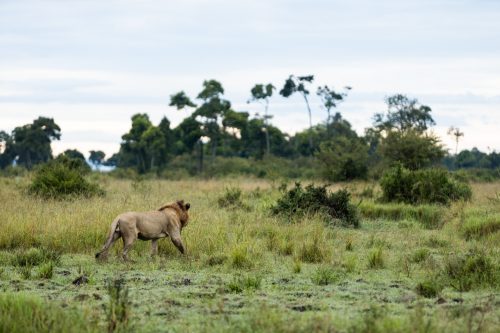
[[168, 220]]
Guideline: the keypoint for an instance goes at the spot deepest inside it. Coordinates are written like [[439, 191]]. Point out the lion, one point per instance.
[[167, 221]]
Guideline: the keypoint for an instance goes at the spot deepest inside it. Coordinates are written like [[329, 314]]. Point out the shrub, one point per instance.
[[325, 275], [60, 179], [474, 270], [312, 199], [231, 199], [242, 283], [21, 313], [428, 288], [376, 259], [422, 186]]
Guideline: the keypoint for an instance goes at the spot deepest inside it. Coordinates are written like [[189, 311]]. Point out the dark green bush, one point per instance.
[[62, 178], [422, 186], [312, 199]]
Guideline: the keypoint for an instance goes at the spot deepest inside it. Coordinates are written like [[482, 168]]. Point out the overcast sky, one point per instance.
[[92, 64]]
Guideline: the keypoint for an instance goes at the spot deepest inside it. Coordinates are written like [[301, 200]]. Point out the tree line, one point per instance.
[[212, 129]]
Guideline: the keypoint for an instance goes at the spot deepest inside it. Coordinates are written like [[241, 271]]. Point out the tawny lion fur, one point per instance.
[[167, 221]]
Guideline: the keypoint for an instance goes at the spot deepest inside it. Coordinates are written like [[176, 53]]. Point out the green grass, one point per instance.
[[245, 269]]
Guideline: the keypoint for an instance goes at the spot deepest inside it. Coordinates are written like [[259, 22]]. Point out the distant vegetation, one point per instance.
[[216, 140]]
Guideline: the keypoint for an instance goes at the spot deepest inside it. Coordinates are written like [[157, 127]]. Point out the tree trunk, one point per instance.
[[310, 123], [268, 144], [200, 157]]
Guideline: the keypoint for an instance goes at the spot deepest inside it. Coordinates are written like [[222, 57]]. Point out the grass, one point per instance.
[[247, 270]]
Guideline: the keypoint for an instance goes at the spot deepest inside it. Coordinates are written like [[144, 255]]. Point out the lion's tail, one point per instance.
[[109, 241]]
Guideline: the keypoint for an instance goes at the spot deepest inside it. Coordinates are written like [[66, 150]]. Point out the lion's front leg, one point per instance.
[[175, 236]]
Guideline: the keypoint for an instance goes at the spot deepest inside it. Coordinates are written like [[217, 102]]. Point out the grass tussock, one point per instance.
[[35, 256], [428, 288], [22, 313], [376, 258], [480, 226], [325, 275], [240, 284], [430, 216]]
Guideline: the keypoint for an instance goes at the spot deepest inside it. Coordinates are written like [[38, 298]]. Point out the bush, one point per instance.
[[60, 179], [474, 270], [312, 199], [422, 186], [231, 199]]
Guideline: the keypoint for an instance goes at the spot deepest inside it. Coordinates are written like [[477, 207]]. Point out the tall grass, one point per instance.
[[430, 216], [22, 313]]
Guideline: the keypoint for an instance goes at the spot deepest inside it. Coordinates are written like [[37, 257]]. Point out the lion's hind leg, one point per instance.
[[103, 254]]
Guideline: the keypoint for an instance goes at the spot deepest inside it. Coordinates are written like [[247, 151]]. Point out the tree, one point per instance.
[[344, 158], [96, 157], [180, 100], [455, 132], [296, 84], [74, 153], [411, 149], [403, 114], [330, 100], [261, 93], [30, 144], [213, 108], [403, 136]]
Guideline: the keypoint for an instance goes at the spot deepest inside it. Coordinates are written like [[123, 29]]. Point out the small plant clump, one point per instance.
[[422, 186], [242, 283], [428, 288], [325, 275], [118, 309], [300, 201], [232, 199], [62, 178], [376, 259]]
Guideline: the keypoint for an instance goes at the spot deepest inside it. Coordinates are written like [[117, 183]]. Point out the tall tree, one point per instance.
[[261, 93], [212, 110], [455, 132], [330, 99], [297, 84], [404, 113]]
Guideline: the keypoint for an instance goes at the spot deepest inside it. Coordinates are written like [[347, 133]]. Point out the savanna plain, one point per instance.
[[404, 269]]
